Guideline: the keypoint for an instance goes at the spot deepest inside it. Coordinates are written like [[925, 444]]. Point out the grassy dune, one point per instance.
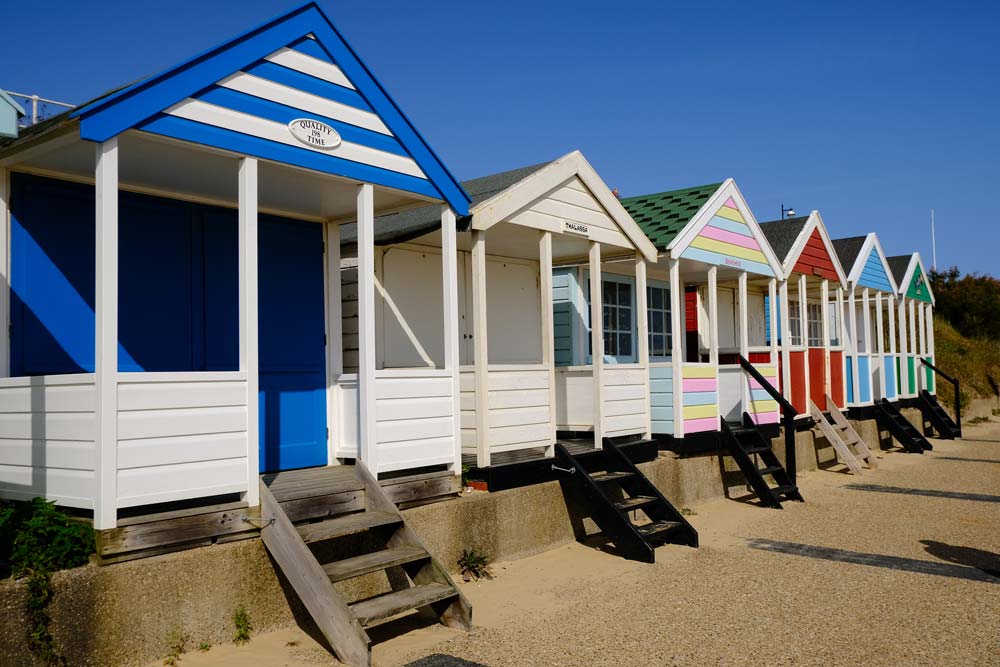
[[974, 361]]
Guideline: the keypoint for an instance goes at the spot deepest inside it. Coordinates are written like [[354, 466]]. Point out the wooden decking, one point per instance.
[[309, 493], [573, 445]]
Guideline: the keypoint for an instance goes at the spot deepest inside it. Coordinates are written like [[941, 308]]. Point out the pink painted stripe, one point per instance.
[[731, 204], [765, 418], [729, 237], [756, 385], [703, 424], [698, 384]]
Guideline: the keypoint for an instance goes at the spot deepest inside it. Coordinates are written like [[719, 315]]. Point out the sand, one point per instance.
[[895, 571]]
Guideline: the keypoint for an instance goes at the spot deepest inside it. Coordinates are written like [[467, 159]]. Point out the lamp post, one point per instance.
[[790, 212]]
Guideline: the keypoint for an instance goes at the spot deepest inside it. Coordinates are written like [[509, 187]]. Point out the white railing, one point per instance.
[[37, 113], [518, 406]]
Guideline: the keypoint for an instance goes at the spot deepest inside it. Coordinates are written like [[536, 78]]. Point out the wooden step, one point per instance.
[[633, 503], [784, 489], [603, 477], [657, 528], [373, 562], [770, 470], [390, 604], [756, 449], [345, 525]]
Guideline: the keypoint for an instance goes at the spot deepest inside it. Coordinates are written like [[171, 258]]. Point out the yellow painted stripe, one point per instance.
[[697, 372], [700, 411], [730, 214], [766, 371], [763, 406], [724, 248]]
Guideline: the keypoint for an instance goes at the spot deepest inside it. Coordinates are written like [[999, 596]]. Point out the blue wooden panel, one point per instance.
[[661, 395], [220, 242], [890, 378], [291, 78], [849, 377], [564, 314], [873, 274], [864, 380], [730, 226], [760, 395], [292, 346], [701, 398]]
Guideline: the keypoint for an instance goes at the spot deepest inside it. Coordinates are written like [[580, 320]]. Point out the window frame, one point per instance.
[[618, 279], [664, 312]]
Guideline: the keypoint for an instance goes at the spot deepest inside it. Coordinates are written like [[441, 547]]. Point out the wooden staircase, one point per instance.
[[318, 504], [939, 421], [747, 445], [900, 427], [842, 436], [616, 491]]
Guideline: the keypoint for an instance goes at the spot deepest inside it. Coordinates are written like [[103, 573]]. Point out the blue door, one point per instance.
[[292, 345]]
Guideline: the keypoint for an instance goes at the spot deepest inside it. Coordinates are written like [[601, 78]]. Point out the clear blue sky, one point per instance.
[[871, 112]]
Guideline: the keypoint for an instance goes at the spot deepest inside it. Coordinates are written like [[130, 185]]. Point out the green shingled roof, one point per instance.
[[662, 216]]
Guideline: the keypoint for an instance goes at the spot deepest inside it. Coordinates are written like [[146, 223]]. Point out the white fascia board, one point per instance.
[[915, 261], [815, 221]]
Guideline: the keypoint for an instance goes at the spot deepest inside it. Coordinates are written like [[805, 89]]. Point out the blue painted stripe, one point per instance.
[[730, 226], [286, 76], [661, 386], [700, 398], [760, 395], [255, 106], [663, 413], [188, 130], [873, 274], [710, 257], [864, 380], [311, 47], [663, 427], [890, 378]]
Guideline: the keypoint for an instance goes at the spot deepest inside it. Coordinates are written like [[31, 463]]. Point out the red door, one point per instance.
[[817, 377]]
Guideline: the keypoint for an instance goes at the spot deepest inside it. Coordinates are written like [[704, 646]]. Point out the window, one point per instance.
[[814, 315], [794, 322], [619, 319], [834, 320], [658, 314]]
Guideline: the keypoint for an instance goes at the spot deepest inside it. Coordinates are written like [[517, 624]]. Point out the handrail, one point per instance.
[[788, 413], [958, 391], [786, 407]]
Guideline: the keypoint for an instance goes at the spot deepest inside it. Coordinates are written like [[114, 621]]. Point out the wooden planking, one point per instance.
[[412, 387], [41, 426], [690, 371], [175, 395], [407, 490], [183, 421], [197, 526], [661, 390], [833, 437], [304, 573], [815, 259], [385, 606], [183, 449], [294, 484], [375, 561], [554, 224], [528, 435], [47, 398], [394, 409], [592, 214], [180, 481], [67, 454], [345, 525], [73, 488], [518, 380]]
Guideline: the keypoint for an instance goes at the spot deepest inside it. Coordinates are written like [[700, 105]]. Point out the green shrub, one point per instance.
[[50, 540], [241, 619], [474, 564]]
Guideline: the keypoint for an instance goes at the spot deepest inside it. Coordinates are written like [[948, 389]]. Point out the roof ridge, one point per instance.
[[674, 192]]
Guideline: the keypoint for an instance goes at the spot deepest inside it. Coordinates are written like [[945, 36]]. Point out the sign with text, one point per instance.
[[314, 133]]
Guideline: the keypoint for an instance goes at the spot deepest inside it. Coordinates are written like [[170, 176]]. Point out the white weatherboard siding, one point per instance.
[[349, 318], [574, 203], [181, 435], [625, 400], [346, 432], [519, 411], [414, 418], [574, 398], [47, 431]]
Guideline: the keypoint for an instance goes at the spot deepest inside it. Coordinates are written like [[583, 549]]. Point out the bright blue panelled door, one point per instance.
[[292, 346]]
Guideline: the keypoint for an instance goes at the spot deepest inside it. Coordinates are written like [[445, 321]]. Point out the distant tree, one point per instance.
[[971, 302]]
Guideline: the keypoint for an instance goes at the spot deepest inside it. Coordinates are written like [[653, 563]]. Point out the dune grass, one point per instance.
[[974, 361]]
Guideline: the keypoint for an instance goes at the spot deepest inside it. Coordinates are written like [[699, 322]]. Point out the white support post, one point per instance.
[[930, 330], [852, 341], [677, 345], [4, 272], [866, 318], [772, 306], [824, 299], [642, 332], [804, 333], [481, 348], [449, 284], [548, 330], [597, 341], [842, 339], [914, 346], [713, 315], [744, 343], [904, 366], [880, 344], [334, 339], [891, 311], [106, 337], [247, 201], [786, 342], [367, 444], [922, 321]]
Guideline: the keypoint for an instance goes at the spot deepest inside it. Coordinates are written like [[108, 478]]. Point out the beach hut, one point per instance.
[[812, 293], [916, 325], [870, 364], [716, 272], [537, 258], [174, 321], [10, 114]]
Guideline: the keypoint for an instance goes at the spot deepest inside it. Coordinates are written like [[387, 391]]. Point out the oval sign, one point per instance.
[[314, 133]]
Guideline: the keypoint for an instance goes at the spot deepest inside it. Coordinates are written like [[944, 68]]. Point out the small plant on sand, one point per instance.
[[241, 619], [474, 565], [687, 511], [204, 646], [996, 412], [178, 643], [978, 420]]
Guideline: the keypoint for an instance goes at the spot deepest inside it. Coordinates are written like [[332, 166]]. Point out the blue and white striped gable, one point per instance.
[[871, 268], [291, 91]]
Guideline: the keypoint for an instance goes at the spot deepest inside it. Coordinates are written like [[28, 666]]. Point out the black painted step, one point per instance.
[[657, 528], [748, 440], [604, 477], [940, 421], [756, 449], [770, 470], [784, 489], [633, 503], [901, 429]]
